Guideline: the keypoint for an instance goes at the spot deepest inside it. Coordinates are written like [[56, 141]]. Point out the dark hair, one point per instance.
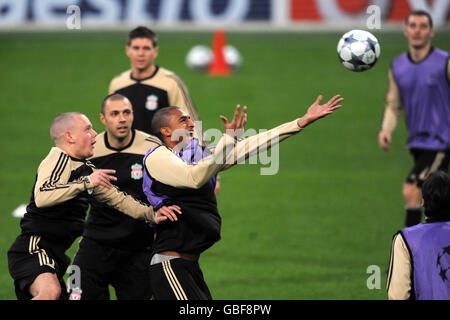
[[161, 119], [419, 13], [436, 195], [143, 32], [112, 97]]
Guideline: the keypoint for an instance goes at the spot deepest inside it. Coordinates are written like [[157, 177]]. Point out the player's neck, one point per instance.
[[67, 149], [418, 54], [143, 73], [169, 143], [119, 143]]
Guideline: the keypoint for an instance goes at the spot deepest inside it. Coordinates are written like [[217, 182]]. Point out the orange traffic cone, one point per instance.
[[218, 66]]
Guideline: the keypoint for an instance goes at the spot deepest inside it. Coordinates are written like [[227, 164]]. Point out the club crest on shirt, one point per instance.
[[136, 171], [152, 102]]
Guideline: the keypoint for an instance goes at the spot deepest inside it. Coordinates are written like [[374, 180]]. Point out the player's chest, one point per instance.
[[129, 168]]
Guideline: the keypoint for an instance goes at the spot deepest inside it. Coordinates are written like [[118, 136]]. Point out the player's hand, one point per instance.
[[236, 127], [384, 139], [169, 212], [317, 111], [102, 177]]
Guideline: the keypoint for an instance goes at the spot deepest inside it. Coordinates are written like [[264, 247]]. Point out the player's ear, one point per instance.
[[102, 118], [156, 52], [166, 131], [127, 50], [68, 137]]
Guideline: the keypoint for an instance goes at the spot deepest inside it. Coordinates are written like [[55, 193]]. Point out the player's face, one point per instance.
[[418, 31], [118, 119], [142, 53], [83, 138], [181, 127]]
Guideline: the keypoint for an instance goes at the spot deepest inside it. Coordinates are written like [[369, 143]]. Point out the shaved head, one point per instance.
[[113, 97], [161, 119], [61, 123]]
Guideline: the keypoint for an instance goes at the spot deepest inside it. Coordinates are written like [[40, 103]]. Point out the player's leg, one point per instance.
[[412, 196], [92, 260], [425, 162], [131, 279], [36, 270], [177, 279]]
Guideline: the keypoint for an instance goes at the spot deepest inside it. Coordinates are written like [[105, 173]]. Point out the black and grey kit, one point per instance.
[[116, 249]]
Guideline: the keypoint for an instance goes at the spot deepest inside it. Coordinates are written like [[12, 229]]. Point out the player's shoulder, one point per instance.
[[55, 157], [124, 74], [121, 80], [54, 154], [441, 53], [145, 138], [143, 142], [400, 57], [165, 72], [169, 75]]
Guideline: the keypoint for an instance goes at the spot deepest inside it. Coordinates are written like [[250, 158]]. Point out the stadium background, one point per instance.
[[309, 232]]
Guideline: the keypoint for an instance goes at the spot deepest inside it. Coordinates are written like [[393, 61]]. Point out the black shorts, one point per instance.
[[178, 279], [100, 266], [32, 255], [426, 162]]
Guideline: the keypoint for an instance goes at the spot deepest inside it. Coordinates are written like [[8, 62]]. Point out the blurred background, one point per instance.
[[311, 231]]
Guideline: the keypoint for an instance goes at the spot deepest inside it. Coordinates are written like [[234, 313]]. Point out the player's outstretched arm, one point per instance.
[[267, 139], [317, 111]]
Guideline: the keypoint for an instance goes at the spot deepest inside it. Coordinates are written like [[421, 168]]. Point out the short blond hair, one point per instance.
[[61, 123]]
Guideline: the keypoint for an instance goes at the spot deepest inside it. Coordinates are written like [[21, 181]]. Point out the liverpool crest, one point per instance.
[[136, 171], [152, 102]]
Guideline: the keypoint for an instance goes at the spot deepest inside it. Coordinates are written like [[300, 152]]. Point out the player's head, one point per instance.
[[117, 116], [418, 28], [73, 132], [173, 126], [142, 48], [436, 195]]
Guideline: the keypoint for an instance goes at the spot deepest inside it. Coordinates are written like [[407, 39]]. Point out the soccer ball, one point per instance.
[[232, 56], [358, 50], [199, 57]]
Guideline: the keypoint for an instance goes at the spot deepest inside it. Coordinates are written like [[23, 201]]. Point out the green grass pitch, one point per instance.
[[308, 232]]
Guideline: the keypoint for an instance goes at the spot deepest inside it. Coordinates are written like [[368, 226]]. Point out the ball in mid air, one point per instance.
[[358, 50]]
